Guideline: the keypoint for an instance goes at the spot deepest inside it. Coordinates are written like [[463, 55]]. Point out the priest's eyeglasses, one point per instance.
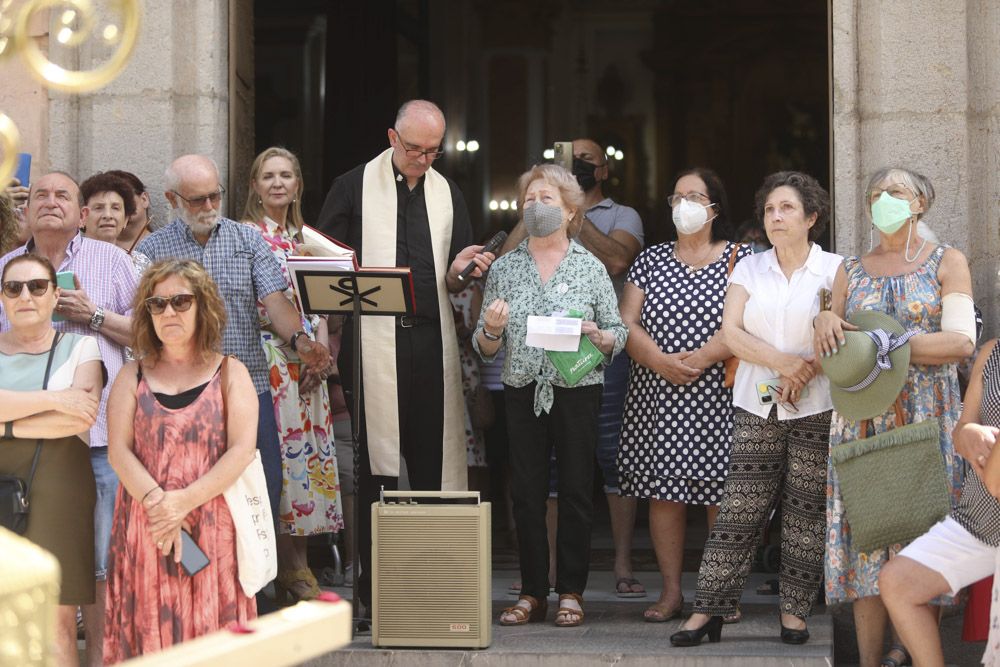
[[432, 154]]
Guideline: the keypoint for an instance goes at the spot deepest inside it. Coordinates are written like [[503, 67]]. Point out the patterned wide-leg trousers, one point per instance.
[[769, 457]]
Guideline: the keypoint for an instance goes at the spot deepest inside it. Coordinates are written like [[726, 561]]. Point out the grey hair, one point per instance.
[[424, 107], [172, 180], [915, 182]]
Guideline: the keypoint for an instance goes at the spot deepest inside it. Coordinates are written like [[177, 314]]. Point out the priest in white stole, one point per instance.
[[396, 210]]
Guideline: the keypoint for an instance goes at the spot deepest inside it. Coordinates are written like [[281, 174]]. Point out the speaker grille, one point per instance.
[[430, 565]]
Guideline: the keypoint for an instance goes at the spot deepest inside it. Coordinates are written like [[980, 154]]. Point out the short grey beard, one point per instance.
[[193, 221]]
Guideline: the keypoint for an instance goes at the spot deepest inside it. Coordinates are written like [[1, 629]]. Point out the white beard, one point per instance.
[[200, 223]]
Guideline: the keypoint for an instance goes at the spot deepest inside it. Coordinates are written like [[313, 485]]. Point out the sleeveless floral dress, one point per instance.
[[151, 603], [914, 300]]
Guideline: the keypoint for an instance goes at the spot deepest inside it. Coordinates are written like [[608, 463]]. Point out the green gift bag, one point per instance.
[[573, 366], [894, 484]]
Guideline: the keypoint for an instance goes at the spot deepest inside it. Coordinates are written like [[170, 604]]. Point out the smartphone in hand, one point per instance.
[[23, 171], [65, 280], [193, 559]]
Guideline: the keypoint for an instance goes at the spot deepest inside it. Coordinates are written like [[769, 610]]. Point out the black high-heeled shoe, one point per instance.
[[790, 636], [712, 628]]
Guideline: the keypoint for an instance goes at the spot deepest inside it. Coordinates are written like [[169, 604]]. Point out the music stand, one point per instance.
[[340, 291]]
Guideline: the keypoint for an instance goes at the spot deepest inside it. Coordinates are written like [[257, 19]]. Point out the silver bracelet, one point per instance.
[[489, 336]]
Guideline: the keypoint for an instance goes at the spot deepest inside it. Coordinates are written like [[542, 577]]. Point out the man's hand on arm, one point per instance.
[[616, 250], [286, 322]]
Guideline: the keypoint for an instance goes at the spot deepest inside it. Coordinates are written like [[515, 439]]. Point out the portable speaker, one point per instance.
[[431, 570]]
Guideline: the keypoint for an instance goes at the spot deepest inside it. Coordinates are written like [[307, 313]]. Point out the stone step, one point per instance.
[[613, 634]]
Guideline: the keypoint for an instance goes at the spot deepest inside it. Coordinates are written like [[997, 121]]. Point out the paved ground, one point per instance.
[[614, 633]]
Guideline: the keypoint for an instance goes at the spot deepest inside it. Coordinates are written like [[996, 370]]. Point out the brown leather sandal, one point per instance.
[[522, 615], [564, 612]]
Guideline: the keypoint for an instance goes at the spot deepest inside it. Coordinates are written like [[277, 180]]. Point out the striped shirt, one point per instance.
[[107, 275], [245, 270], [978, 510]]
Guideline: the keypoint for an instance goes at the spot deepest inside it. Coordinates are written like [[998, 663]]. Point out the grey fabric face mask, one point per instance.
[[542, 219]]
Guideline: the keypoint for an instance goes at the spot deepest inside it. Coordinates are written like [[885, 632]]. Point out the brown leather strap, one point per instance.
[[732, 257], [865, 424]]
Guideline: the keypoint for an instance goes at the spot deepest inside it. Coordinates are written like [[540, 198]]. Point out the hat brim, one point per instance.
[[875, 399]]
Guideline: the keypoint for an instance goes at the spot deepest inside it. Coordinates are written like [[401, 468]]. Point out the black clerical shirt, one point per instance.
[[341, 219]]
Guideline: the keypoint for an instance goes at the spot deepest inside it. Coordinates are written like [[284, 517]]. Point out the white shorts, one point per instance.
[[954, 553]]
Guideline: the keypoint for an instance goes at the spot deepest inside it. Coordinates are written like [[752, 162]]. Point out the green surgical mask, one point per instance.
[[889, 213]]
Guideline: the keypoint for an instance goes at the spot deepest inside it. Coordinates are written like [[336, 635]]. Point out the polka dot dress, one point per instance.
[[675, 439]]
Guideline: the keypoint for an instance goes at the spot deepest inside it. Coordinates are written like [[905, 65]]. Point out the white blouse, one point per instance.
[[780, 312]]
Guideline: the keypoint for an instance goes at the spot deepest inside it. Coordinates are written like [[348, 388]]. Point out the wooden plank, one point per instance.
[[287, 637]]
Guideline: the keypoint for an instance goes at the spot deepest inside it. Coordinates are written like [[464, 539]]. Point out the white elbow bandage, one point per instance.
[[958, 314]]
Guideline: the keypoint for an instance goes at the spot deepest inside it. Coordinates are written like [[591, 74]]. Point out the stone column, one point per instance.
[[171, 99], [915, 83]]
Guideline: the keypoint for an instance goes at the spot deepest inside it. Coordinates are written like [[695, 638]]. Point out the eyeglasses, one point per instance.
[[37, 287], [179, 302], [897, 191], [198, 202], [789, 404], [693, 197], [416, 152]]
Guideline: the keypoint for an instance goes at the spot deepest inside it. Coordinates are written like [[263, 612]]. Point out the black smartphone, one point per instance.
[[193, 559]]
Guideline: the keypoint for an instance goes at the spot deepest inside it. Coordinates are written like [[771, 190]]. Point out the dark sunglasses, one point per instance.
[[179, 302], [37, 287]]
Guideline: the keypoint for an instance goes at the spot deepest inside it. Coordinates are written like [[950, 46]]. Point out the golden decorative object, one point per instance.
[[10, 138], [29, 594], [77, 25]]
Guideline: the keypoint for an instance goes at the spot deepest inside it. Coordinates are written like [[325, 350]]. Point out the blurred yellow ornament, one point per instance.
[[10, 138], [76, 24]]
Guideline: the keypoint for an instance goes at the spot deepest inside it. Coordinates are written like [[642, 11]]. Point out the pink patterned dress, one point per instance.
[[151, 603], [310, 487]]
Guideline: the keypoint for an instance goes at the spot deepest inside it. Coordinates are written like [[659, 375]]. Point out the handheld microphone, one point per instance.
[[492, 245]]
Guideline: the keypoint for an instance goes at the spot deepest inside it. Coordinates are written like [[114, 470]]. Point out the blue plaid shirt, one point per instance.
[[244, 268]]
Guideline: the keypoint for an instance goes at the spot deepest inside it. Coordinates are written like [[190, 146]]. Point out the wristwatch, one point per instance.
[[97, 319], [295, 338]]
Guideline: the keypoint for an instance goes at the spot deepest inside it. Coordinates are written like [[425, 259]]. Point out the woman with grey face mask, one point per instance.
[[549, 274]]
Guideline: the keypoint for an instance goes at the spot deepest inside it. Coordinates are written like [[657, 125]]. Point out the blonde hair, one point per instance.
[[254, 209], [565, 182], [210, 320]]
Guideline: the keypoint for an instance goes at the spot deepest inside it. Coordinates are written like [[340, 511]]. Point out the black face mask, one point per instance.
[[584, 172]]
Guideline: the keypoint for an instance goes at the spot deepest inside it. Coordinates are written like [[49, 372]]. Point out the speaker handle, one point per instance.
[[444, 495]]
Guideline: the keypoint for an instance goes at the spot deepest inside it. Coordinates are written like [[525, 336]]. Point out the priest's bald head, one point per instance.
[[417, 138]]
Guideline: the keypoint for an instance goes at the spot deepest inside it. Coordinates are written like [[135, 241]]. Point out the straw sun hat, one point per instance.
[[867, 374]]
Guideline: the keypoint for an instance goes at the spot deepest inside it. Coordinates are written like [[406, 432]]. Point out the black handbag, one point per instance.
[[14, 491]]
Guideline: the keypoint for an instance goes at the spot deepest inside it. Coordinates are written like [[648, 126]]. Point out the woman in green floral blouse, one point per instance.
[[550, 274]]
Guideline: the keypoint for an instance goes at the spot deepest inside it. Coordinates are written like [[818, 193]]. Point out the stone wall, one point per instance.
[[171, 99], [915, 83]]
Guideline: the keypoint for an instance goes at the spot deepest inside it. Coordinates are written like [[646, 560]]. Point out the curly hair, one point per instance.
[[210, 319], [106, 182], [812, 195], [721, 226], [254, 209], [9, 230], [564, 182]]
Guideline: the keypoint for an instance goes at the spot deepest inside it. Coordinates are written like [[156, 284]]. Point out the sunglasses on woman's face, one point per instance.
[[179, 302], [37, 287]]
